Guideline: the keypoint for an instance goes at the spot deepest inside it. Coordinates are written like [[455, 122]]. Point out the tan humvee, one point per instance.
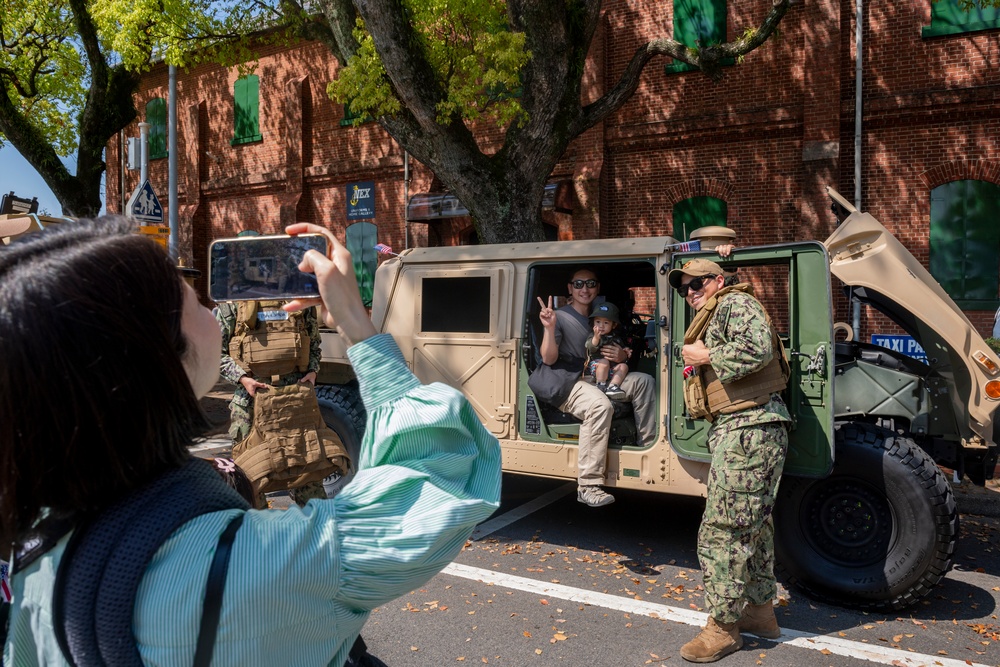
[[15, 225], [865, 517]]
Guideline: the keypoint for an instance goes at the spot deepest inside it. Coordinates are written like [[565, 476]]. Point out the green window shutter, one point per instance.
[[360, 239], [352, 118], [695, 212], [948, 18], [246, 110], [965, 242], [698, 23], [156, 116]]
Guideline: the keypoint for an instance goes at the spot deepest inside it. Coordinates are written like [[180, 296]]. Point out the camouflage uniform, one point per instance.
[[241, 407], [736, 538]]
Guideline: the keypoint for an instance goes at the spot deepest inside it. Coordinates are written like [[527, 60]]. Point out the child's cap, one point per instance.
[[606, 310]]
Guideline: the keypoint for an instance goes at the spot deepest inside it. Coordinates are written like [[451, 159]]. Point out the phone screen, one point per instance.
[[262, 268]]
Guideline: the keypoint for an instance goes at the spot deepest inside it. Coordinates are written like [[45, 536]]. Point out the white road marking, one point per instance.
[[212, 446], [521, 511], [806, 640]]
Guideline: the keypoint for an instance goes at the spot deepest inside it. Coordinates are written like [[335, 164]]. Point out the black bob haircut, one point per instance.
[[94, 397]]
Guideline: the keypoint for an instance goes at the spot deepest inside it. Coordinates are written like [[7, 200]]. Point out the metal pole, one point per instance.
[[406, 198], [172, 160], [122, 162], [143, 152], [858, 85]]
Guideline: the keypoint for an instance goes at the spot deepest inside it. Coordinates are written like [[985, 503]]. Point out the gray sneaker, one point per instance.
[[593, 496], [614, 393]]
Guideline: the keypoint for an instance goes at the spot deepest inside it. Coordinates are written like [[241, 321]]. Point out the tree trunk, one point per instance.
[[503, 192]]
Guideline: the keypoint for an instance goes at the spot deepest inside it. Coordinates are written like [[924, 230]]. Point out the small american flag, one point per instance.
[[383, 249], [685, 247], [4, 579]]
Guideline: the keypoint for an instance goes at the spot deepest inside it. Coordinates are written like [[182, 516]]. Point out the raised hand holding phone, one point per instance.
[[262, 268], [340, 305]]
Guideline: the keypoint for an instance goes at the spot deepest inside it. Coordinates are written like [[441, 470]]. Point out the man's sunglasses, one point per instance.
[[578, 284], [695, 285]]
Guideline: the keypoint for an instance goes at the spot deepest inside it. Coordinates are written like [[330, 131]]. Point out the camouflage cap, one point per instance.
[[696, 267], [608, 310]]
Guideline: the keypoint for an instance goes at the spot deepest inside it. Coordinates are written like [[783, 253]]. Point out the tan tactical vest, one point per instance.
[[268, 348], [289, 444], [705, 396]]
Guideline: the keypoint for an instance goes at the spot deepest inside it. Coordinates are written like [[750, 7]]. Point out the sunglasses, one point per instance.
[[695, 285], [578, 284]]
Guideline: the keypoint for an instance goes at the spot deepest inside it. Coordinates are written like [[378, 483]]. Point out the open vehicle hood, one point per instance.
[[883, 274]]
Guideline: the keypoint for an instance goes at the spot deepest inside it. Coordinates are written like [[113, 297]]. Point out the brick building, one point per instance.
[[754, 151]]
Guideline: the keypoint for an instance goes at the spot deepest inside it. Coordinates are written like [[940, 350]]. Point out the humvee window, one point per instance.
[[455, 304]]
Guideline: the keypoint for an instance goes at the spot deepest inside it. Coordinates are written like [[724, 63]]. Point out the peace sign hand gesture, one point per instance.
[[547, 316]]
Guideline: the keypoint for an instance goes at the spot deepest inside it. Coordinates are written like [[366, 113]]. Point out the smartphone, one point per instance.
[[262, 268]]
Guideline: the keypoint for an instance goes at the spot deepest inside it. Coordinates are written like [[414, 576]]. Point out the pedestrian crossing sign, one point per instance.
[[144, 206]]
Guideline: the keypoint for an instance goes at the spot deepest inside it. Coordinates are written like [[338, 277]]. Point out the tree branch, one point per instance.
[[708, 59], [31, 144], [408, 70]]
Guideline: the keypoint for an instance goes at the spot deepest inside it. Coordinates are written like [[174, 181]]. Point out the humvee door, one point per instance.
[[793, 283]]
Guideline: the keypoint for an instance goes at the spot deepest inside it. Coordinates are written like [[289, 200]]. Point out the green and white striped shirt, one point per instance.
[[302, 582]]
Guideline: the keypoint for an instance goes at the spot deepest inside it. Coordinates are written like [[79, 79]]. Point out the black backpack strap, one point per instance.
[[105, 560], [212, 607]]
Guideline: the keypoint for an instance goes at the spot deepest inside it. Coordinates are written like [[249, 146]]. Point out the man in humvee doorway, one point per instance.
[[565, 334]]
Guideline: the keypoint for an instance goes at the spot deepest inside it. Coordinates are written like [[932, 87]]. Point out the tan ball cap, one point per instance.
[[694, 268]]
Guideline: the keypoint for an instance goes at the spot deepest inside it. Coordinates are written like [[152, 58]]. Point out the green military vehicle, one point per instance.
[[865, 516]]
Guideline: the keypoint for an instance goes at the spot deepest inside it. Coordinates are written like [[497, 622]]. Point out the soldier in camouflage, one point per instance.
[[241, 407], [748, 441]]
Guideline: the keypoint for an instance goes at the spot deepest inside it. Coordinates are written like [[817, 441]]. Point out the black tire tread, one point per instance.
[[348, 398], [938, 494]]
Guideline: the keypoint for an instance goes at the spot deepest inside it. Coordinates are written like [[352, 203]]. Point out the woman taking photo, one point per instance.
[[104, 354]]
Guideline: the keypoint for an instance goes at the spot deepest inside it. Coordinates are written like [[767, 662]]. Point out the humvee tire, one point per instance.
[[343, 412], [878, 533]]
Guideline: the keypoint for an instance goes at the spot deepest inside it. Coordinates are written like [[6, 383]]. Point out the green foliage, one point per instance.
[[363, 85], [46, 71], [968, 5], [40, 68], [994, 344], [473, 54]]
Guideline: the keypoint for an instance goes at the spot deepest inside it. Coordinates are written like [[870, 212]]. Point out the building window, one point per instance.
[[156, 116], [246, 110], [698, 23], [965, 242], [360, 240], [455, 304], [696, 212], [949, 18]]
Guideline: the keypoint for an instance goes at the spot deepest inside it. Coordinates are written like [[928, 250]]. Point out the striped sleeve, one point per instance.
[[429, 472]]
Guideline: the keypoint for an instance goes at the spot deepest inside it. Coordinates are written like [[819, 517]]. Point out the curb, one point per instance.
[[978, 506], [977, 500]]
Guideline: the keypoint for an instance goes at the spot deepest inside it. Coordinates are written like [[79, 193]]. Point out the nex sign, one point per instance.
[[361, 200]]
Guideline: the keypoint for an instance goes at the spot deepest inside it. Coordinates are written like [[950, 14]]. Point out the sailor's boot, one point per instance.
[[759, 620], [716, 640]]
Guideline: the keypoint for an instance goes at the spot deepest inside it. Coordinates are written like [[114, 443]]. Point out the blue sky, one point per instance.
[[17, 175]]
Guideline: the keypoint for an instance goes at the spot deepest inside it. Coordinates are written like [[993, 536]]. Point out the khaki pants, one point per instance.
[[589, 404], [638, 388]]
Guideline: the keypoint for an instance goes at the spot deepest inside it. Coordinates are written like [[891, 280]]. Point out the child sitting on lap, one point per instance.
[[605, 319]]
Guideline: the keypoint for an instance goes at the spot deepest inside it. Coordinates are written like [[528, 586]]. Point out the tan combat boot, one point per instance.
[[716, 640], [759, 620]]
